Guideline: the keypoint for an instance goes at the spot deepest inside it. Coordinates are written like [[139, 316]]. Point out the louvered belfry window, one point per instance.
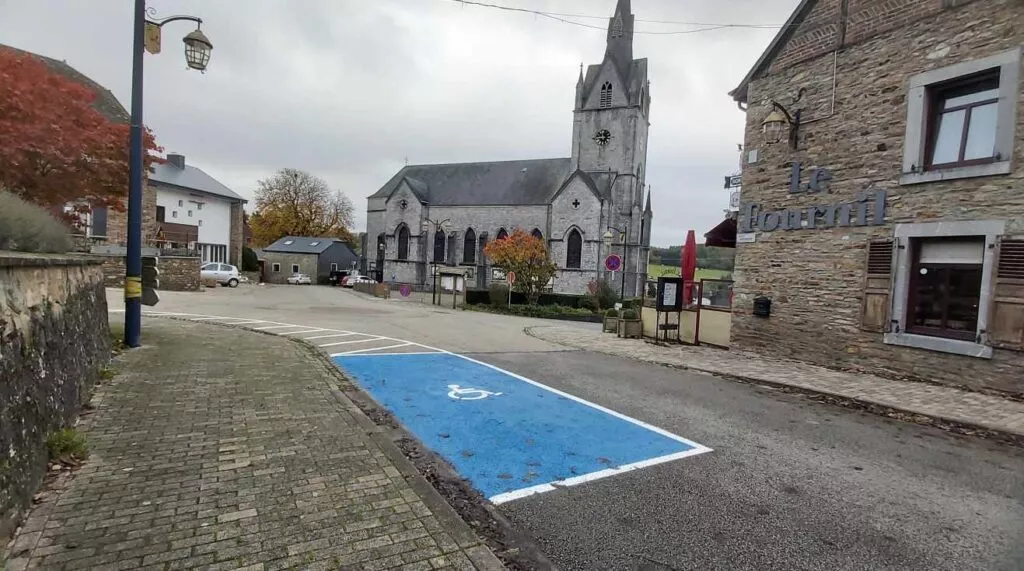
[[606, 95]]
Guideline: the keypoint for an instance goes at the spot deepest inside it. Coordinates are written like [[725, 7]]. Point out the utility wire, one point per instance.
[[560, 17]]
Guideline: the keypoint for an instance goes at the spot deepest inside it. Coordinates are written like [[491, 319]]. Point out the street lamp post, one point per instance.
[[197, 55], [438, 226], [608, 238]]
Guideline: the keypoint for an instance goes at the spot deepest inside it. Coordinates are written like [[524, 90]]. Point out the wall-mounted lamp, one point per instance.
[[780, 122]]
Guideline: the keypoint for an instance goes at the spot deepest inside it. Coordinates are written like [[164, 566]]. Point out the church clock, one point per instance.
[[603, 137]]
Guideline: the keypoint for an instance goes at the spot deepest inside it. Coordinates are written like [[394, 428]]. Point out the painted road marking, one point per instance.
[[458, 393], [372, 349], [302, 332], [529, 439], [273, 327], [329, 336], [350, 342]]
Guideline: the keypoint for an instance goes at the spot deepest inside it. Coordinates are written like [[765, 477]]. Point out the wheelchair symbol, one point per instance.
[[459, 393]]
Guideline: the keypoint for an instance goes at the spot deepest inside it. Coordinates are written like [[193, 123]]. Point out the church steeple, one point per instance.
[[620, 37]]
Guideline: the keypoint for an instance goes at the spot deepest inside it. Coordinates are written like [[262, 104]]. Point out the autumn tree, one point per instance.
[[55, 146], [296, 203], [525, 255]]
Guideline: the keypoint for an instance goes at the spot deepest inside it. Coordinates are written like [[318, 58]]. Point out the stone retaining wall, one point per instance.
[[177, 273], [54, 338]]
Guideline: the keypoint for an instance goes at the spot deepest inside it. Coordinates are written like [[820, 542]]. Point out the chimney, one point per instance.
[[176, 160]]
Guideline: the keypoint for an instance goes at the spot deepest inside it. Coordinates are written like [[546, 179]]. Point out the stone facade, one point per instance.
[[600, 187], [855, 62], [307, 264], [117, 222], [237, 234], [177, 273], [55, 339]]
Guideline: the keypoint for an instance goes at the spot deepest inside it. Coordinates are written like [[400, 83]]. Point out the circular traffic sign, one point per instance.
[[510, 277], [613, 263], [405, 290]]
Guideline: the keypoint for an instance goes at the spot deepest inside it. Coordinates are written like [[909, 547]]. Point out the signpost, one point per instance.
[[511, 278]]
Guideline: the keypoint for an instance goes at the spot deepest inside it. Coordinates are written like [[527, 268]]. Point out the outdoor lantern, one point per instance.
[[608, 237], [774, 126], [197, 50]]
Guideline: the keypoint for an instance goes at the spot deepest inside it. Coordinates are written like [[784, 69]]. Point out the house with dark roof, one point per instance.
[[316, 257], [193, 204], [444, 214]]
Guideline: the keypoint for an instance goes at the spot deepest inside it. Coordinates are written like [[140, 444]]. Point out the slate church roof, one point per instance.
[[501, 183]]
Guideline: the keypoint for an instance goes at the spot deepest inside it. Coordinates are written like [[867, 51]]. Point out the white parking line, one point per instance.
[[273, 327], [356, 341], [328, 336], [371, 349], [301, 332]]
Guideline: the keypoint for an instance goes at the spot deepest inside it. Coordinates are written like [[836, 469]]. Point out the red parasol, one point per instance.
[[688, 265]]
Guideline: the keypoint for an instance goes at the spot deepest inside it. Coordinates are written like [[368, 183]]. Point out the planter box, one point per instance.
[[611, 324], [631, 328]]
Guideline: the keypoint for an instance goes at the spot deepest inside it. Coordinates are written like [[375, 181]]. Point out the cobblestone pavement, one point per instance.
[[223, 449], [947, 403]]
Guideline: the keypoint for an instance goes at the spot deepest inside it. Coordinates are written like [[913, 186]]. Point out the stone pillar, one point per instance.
[[237, 235]]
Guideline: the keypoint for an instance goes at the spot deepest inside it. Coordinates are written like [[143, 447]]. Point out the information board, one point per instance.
[[670, 294]]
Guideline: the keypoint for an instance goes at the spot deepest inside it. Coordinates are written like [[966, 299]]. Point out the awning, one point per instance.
[[723, 235]]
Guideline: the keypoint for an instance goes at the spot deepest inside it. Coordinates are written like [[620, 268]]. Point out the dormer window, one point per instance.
[[314, 243], [289, 242], [606, 95]]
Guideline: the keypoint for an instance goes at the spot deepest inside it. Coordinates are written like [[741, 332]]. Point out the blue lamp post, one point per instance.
[[197, 55]]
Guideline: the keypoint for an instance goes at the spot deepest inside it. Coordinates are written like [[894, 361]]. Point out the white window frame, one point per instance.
[[334, 267], [991, 230], [915, 142], [275, 267]]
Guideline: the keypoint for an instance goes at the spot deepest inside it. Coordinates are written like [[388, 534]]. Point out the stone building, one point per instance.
[[318, 258], [882, 210], [444, 214]]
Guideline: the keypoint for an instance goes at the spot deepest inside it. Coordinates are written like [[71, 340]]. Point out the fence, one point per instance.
[[706, 316]]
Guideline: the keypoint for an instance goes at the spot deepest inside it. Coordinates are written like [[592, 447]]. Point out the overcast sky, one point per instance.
[[350, 89]]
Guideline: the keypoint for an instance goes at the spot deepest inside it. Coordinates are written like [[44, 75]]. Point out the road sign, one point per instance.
[[510, 277], [405, 290], [733, 181], [613, 263]]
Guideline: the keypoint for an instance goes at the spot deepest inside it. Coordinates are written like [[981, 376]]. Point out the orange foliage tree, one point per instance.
[[525, 255], [55, 147]]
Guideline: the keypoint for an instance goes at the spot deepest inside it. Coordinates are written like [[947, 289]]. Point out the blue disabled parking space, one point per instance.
[[508, 435]]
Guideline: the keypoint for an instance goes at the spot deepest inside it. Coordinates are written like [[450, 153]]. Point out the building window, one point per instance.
[[334, 267], [606, 95], [160, 214], [502, 234], [537, 234], [98, 222], [403, 242], [439, 247], [961, 120], [190, 214], [276, 267], [181, 203], [963, 123], [200, 223], [574, 249], [945, 287], [469, 247], [199, 206], [174, 214], [295, 268]]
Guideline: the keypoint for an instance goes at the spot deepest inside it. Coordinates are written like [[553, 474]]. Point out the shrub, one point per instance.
[[630, 315], [66, 444], [28, 228], [499, 294], [590, 302], [612, 313], [250, 263], [604, 292]]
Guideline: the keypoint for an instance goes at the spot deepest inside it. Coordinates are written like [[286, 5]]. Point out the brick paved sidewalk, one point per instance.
[[946, 403], [224, 449]]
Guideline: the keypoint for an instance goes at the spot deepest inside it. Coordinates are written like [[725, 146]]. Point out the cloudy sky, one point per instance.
[[351, 89]]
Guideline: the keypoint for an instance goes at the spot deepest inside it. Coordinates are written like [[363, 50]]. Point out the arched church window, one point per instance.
[[469, 247], [403, 242], [574, 249], [606, 94], [502, 234], [439, 246], [537, 234]]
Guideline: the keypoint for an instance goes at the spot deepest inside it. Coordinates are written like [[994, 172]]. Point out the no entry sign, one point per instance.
[[613, 263], [511, 277]]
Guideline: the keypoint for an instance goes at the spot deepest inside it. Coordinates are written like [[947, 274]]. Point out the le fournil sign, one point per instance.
[[867, 209]]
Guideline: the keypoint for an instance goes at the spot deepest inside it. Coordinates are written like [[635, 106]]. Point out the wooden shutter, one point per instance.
[[1006, 324], [874, 314]]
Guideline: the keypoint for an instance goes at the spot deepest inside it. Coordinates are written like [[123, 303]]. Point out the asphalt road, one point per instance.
[[791, 483]]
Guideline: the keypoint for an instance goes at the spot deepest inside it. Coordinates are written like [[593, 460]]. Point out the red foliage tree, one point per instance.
[[55, 147]]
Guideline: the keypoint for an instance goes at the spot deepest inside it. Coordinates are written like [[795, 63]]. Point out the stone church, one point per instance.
[[444, 214]]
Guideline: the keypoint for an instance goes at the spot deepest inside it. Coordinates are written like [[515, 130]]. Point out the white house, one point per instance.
[[195, 211]]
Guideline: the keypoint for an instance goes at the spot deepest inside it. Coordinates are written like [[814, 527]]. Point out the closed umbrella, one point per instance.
[[688, 265]]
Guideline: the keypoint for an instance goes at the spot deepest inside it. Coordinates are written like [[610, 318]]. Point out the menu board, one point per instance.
[[669, 294]]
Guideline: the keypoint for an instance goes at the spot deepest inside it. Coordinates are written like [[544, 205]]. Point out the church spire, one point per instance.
[[647, 208], [620, 37]]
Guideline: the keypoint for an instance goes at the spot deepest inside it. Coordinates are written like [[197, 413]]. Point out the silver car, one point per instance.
[[224, 274]]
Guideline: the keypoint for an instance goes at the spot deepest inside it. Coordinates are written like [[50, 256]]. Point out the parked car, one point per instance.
[[300, 279], [352, 280], [224, 274]]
